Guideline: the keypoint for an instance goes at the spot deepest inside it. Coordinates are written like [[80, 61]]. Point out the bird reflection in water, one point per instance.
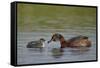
[[36, 49], [57, 52], [79, 51]]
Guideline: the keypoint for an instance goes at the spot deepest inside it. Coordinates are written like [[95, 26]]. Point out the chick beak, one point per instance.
[[49, 41]]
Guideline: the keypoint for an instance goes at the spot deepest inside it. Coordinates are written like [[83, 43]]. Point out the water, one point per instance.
[[69, 21], [51, 52]]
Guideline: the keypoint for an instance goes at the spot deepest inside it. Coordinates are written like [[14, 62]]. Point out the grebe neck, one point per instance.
[[62, 39], [64, 43]]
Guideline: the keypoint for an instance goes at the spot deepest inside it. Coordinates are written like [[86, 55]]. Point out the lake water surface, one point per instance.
[[51, 52]]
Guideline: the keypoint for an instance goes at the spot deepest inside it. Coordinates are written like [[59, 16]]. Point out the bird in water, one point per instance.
[[36, 44], [78, 41]]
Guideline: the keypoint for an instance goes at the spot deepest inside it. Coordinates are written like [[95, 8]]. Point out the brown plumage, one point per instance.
[[79, 41]]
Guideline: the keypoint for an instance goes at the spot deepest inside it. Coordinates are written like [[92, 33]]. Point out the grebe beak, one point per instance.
[[49, 41]]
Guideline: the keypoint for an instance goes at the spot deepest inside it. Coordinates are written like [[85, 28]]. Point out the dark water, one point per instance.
[[52, 52]]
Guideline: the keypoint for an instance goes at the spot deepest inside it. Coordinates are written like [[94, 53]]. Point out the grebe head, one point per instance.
[[42, 39], [55, 37]]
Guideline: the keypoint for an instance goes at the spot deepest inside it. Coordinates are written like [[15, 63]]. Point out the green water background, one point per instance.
[[33, 17]]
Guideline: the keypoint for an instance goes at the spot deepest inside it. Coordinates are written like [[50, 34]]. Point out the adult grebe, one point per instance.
[[79, 41]]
